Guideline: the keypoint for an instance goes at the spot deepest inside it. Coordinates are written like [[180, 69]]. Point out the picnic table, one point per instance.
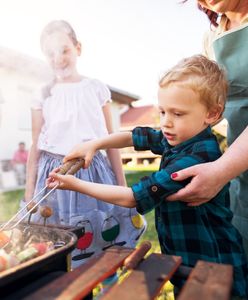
[[206, 281]]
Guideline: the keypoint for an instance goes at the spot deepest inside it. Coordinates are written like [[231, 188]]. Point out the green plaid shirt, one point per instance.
[[203, 232]]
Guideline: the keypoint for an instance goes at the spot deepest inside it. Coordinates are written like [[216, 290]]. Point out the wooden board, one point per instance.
[[79, 282], [145, 282], [208, 281]]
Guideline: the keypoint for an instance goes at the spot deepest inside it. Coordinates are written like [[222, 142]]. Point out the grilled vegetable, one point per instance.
[[43, 248], [7, 260], [27, 254], [4, 239]]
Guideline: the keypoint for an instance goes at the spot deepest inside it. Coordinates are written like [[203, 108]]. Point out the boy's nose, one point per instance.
[[166, 122]]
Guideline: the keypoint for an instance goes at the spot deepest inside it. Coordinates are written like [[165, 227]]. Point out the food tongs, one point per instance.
[[69, 168]]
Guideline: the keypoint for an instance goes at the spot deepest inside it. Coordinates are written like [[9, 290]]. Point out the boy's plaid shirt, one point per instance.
[[203, 232]]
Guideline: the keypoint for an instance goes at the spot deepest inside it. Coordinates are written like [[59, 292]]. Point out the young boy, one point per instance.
[[191, 97]]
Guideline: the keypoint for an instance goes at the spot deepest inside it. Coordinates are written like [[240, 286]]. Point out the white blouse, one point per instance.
[[72, 113]]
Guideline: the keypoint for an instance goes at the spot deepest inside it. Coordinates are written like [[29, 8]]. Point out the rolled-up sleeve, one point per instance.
[[151, 190]]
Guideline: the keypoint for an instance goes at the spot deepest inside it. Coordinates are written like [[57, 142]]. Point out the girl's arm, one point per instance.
[[208, 179], [33, 156], [114, 155]]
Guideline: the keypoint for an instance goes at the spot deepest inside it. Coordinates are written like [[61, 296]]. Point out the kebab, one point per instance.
[[12, 259]]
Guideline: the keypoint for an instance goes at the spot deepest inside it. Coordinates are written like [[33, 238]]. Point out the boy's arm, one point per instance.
[[148, 193], [119, 195], [87, 150]]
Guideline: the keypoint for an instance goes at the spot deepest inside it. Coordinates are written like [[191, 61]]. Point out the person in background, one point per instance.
[[73, 109], [227, 43], [193, 92], [19, 162]]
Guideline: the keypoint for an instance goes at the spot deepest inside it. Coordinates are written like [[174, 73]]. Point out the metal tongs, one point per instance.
[[69, 168]]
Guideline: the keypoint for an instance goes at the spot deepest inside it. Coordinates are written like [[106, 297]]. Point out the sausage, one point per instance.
[[134, 258], [71, 166]]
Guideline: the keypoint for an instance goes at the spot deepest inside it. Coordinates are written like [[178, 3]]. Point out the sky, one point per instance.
[[127, 44]]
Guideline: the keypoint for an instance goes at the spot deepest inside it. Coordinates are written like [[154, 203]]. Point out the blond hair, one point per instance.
[[201, 75], [58, 26]]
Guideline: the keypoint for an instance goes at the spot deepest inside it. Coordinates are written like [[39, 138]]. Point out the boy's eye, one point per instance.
[[178, 114], [162, 113]]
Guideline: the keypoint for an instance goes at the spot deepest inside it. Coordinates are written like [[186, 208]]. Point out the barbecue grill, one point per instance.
[[56, 261]]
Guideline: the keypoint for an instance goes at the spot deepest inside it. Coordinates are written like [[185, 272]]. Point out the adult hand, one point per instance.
[[203, 186]]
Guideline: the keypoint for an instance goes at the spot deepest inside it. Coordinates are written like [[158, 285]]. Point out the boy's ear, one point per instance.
[[214, 114]]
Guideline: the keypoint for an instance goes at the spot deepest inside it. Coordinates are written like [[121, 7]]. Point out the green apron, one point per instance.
[[231, 51]]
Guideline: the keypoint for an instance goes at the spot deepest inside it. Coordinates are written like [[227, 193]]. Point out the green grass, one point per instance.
[[9, 204]]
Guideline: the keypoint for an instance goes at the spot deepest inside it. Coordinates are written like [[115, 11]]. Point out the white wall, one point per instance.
[[15, 126]]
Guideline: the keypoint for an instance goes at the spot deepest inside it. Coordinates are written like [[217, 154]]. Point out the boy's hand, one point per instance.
[[64, 182], [85, 150]]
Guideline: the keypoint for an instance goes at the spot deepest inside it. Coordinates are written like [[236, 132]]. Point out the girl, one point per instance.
[[74, 109]]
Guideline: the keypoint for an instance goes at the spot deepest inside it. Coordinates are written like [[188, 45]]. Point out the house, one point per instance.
[[20, 76], [140, 116]]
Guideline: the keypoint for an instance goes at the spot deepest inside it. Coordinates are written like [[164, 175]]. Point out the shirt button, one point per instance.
[[154, 188]]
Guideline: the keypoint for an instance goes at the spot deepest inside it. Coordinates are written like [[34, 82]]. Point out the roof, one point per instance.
[[140, 116], [122, 97]]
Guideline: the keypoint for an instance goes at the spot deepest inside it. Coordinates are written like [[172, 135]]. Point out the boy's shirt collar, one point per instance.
[[206, 133]]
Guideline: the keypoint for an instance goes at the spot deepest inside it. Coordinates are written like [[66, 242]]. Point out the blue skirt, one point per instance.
[[98, 224]]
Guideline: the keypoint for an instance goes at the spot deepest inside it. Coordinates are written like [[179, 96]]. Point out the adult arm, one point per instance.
[[33, 156], [208, 179]]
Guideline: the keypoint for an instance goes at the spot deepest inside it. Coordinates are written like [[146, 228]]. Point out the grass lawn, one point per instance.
[[9, 203]]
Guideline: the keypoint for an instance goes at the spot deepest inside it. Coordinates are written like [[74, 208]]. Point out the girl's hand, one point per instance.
[[86, 151], [204, 185], [64, 182]]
